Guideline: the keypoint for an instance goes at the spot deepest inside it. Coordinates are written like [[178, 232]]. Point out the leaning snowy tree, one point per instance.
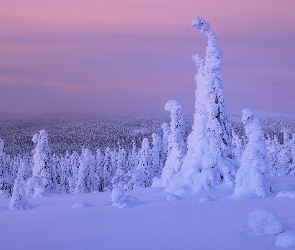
[[176, 145], [208, 160], [253, 176], [42, 160]]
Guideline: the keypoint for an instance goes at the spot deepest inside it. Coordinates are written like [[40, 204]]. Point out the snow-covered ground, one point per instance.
[[206, 220]]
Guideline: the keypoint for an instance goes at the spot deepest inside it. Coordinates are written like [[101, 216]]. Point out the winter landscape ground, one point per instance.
[[204, 181], [153, 223]]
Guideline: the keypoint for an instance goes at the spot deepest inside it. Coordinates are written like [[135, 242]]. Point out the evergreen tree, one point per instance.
[[176, 145], [42, 160], [18, 200], [6, 180], [253, 177], [208, 160]]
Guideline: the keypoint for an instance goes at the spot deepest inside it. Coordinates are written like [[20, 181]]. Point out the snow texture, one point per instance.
[[286, 239], [173, 197], [81, 205], [287, 193], [264, 221], [207, 162], [252, 178]]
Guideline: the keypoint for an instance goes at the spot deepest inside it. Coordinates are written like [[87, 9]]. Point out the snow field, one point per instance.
[[154, 223]]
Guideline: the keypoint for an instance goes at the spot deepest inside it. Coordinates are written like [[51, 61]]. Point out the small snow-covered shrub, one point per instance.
[[264, 221], [34, 187], [173, 197], [81, 205], [287, 193], [120, 200], [286, 239]]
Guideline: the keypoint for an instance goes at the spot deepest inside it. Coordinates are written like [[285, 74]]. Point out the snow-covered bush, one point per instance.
[[18, 200], [34, 187], [176, 145], [253, 177], [286, 239], [264, 221], [286, 193], [42, 160], [120, 200], [207, 162]]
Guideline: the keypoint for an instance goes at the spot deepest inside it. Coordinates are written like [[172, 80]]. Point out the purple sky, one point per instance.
[[130, 57]]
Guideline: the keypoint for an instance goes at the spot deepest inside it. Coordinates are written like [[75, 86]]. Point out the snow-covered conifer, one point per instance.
[[18, 200], [208, 162], [66, 172], [253, 176], [176, 145], [85, 181], [142, 174], [24, 172], [74, 170], [237, 145], [165, 148], [56, 174], [99, 169], [34, 187], [120, 178], [6, 180], [108, 170], [157, 155], [42, 160]]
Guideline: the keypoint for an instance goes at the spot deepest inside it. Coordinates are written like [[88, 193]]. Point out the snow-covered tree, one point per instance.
[[108, 169], [66, 172], [120, 178], [157, 155], [237, 145], [253, 176], [56, 174], [85, 181], [42, 160], [34, 187], [99, 170], [132, 162], [176, 145], [207, 162], [74, 169], [142, 174], [24, 172], [165, 148], [6, 180], [18, 200]]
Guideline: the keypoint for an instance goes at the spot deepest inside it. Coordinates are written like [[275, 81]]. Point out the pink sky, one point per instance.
[[130, 57]]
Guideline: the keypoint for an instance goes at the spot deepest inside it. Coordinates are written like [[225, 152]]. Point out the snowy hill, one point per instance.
[[154, 223]]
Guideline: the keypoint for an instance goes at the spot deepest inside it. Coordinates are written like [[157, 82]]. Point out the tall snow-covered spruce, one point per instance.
[[208, 160]]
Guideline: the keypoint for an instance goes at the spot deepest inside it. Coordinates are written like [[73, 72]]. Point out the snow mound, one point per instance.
[[264, 221], [173, 197], [286, 193], [4, 194], [81, 205], [286, 239], [121, 200], [206, 199]]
